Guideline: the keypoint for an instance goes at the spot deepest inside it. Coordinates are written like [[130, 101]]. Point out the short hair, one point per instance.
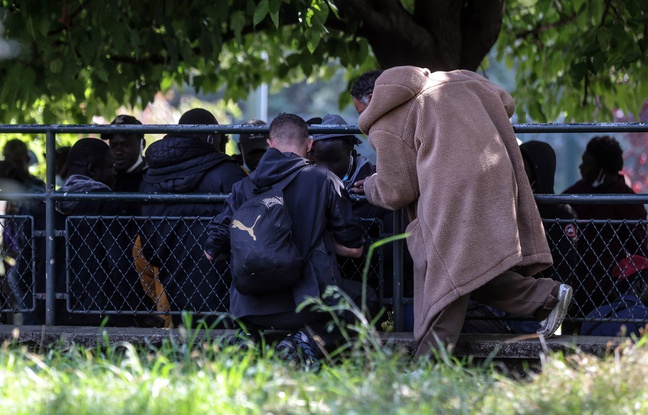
[[363, 86], [85, 151], [288, 129], [200, 116], [607, 152], [252, 136]]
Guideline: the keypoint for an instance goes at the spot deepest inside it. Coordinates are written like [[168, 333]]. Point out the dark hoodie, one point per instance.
[[602, 245], [318, 210], [562, 236], [94, 263], [186, 164]]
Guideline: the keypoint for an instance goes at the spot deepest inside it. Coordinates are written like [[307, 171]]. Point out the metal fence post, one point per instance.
[[397, 273], [50, 277]]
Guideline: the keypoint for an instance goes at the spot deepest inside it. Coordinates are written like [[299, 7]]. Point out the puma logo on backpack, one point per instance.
[[236, 224], [264, 257]]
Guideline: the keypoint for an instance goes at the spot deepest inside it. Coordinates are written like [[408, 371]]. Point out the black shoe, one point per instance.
[[297, 348]]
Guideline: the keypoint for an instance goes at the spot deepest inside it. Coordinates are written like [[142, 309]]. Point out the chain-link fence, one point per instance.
[[139, 269]]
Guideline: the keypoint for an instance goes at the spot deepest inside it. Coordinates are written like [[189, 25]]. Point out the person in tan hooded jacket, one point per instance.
[[446, 152]]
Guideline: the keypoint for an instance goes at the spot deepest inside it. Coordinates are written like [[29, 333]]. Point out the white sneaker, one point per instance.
[[549, 325]]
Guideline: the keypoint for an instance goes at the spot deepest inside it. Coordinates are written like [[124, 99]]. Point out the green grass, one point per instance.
[[195, 377]]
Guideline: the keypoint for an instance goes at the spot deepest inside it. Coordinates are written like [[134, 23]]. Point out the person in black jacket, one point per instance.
[[323, 225], [540, 165], [604, 239], [93, 262], [127, 149], [172, 240], [337, 153]]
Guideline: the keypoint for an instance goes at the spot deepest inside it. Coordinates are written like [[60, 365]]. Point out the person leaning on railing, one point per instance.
[[184, 163], [602, 246], [446, 151], [94, 253]]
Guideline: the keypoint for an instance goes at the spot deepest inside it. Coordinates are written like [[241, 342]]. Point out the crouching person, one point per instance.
[[275, 268]]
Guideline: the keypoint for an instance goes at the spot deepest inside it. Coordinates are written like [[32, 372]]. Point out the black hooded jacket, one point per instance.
[[186, 164], [94, 264], [318, 211], [562, 236]]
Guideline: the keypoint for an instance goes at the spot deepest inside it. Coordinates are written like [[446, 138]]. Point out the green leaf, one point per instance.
[[87, 50], [30, 27], [135, 40], [56, 65], [261, 11], [237, 23], [274, 6], [44, 26], [100, 72]]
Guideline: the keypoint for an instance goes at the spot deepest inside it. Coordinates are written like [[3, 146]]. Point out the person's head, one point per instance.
[[540, 165], [202, 116], [126, 147], [253, 146], [362, 89], [16, 151], [289, 133], [602, 159], [334, 151], [92, 158], [631, 276]]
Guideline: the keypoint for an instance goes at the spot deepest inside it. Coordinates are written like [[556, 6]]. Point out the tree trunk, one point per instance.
[[439, 34]]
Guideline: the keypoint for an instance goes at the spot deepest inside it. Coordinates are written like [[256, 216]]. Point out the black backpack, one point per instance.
[[264, 257]]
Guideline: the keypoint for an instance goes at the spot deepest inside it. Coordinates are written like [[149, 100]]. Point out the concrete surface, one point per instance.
[[479, 346]]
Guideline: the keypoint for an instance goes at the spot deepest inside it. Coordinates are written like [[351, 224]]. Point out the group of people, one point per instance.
[[446, 152]]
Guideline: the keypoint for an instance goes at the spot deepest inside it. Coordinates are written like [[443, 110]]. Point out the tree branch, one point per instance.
[[539, 28]]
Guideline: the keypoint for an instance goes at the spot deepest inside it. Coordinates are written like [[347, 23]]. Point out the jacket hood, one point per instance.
[[78, 183], [542, 160], [178, 163], [274, 166], [402, 83]]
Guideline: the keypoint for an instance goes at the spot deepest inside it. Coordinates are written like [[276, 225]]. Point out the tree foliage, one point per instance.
[[82, 57], [577, 59]]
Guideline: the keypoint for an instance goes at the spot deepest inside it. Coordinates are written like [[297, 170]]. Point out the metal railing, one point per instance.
[[26, 288]]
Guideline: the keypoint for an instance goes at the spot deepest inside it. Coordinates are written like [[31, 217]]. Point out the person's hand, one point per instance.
[[209, 257], [358, 187], [342, 250]]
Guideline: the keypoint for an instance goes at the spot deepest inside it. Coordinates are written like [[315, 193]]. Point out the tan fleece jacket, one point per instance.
[[446, 150]]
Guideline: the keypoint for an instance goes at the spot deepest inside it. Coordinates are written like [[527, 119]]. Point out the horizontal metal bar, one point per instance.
[[117, 196], [58, 296], [611, 127], [591, 199], [209, 197], [57, 233], [315, 128], [164, 129]]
